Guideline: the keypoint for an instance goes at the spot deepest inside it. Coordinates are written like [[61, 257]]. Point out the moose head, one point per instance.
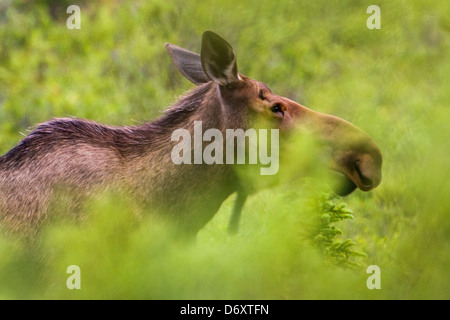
[[354, 156]]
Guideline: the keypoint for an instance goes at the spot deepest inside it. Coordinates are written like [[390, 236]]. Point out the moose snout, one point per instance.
[[362, 171], [368, 172], [367, 181], [356, 157]]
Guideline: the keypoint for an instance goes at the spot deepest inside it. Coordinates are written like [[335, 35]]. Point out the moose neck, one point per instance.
[[199, 187], [205, 104]]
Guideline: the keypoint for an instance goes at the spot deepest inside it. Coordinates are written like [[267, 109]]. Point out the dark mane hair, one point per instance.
[[128, 141], [182, 109]]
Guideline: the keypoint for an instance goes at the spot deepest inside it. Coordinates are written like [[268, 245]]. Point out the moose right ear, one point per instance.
[[219, 59], [188, 63]]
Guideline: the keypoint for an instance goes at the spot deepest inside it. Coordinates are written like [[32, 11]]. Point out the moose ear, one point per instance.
[[218, 59], [188, 63]]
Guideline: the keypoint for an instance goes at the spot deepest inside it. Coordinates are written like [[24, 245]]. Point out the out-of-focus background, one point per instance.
[[392, 82]]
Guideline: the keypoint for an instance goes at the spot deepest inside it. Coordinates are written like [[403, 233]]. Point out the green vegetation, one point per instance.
[[392, 82], [325, 232]]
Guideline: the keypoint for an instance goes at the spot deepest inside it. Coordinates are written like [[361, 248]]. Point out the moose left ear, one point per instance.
[[218, 59], [188, 63]]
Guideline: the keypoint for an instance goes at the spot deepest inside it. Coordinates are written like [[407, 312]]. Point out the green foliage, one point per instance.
[[392, 82], [325, 232]]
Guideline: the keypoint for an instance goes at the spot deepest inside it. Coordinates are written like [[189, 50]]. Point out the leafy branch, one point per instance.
[[324, 232]]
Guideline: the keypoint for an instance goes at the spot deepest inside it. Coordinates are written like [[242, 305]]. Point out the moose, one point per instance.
[[76, 158]]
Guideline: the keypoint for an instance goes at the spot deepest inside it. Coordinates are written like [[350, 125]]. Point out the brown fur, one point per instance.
[[82, 155]]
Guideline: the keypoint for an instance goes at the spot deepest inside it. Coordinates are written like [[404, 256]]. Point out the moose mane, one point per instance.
[[176, 114], [128, 141]]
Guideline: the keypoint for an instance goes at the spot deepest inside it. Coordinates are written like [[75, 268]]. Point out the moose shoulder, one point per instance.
[[82, 156]]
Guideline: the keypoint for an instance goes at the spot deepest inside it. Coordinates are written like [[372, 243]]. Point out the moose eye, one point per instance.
[[276, 108]]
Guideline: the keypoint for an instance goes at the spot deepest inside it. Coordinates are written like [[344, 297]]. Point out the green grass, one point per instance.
[[393, 83]]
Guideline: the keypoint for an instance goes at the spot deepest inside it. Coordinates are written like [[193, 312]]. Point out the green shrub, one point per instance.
[[324, 233]]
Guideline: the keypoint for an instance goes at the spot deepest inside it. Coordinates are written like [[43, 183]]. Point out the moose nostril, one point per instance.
[[366, 181]]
